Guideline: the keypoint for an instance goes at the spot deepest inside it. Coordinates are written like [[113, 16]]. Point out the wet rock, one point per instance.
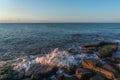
[[118, 65], [45, 79], [105, 69], [114, 47], [26, 79], [65, 77], [80, 50], [74, 50], [7, 73], [70, 78], [98, 77], [60, 76], [91, 47], [83, 74], [108, 67], [105, 51], [71, 50], [103, 43], [69, 70], [37, 71], [35, 77], [113, 60], [90, 63]]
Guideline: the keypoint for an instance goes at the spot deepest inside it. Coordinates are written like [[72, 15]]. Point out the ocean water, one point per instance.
[[19, 39]]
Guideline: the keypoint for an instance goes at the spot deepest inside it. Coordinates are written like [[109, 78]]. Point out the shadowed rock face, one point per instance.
[[7, 73], [103, 43], [106, 51], [98, 77], [105, 69], [41, 70], [83, 74], [113, 60], [91, 47]]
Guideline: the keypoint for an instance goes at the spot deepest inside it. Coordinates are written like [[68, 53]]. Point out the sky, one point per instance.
[[59, 10]]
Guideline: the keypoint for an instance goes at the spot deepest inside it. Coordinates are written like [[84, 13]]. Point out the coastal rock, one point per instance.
[[98, 77], [113, 60], [83, 74], [103, 43], [118, 65], [81, 50], [105, 51], [105, 69], [70, 78], [37, 71], [7, 73], [62, 75], [74, 50], [91, 47], [114, 47], [35, 77], [26, 79]]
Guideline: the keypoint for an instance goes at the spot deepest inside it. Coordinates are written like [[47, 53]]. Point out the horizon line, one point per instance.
[[54, 22]]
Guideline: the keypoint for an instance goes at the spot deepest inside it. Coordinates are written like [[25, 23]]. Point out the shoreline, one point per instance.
[[65, 63]]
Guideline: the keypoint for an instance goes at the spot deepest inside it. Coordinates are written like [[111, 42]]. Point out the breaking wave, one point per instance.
[[55, 58]]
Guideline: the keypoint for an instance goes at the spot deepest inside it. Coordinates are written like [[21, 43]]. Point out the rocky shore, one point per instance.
[[87, 62]]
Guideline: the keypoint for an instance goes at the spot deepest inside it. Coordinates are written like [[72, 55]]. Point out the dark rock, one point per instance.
[[98, 77], [106, 70], [60, 76], [63, 77], [70, 78], [81, 50], [113, 60], [118, 65], [45, 79], [69, 70], [7, 73], [103, 43], [113, 45], [105, 51], [83, 74], [35, 77], [26, 79], [72, 50], [37, 71], [91, 47]]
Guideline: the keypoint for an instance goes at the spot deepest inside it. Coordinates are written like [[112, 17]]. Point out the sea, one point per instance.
[[19, 39]]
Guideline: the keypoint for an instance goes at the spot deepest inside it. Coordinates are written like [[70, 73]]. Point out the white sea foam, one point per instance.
[[55, 58], [63, 58]]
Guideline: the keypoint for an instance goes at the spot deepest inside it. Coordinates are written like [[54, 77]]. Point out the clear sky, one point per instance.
[[59, 10]]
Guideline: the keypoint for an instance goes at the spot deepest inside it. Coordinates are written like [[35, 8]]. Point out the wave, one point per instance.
[[55, 58]]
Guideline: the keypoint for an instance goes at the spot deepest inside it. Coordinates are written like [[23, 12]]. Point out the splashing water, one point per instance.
[[63, 58], [55, 58]]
